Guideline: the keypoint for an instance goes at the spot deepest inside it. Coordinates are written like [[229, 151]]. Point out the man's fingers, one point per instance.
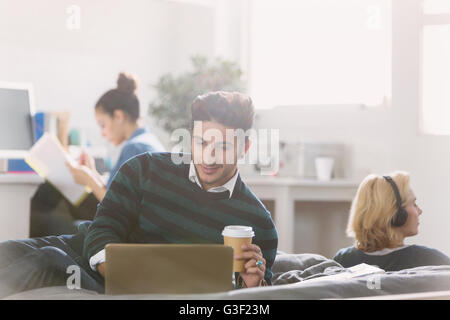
[[250, 264], [255, 270], [248, 255], [251, 247], [253, 263]]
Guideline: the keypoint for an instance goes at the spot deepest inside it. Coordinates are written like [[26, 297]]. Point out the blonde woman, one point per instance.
[[383, 213]]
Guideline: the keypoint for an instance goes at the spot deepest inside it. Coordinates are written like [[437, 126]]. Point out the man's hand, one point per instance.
[[101, 268], [255, 266]]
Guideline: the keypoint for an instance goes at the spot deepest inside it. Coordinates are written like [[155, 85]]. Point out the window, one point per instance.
[[320, 52], [436, 6], [436, 67]]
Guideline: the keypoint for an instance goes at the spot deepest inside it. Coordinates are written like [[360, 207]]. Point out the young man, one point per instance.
[[156, 199]]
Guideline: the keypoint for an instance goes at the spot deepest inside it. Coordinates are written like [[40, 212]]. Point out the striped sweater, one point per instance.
[[152, 200]]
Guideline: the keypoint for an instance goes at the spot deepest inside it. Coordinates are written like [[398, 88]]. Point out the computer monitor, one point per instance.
[[16, 119]]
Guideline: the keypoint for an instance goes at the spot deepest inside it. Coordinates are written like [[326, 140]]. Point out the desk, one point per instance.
[[285, 191], [16, 191]]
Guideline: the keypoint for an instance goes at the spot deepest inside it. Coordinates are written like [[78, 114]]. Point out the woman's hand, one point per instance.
[[87, 160], [255, 266], [81, 174], [87, 177]]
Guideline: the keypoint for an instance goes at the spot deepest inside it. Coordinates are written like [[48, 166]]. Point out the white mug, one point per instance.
[[324, 168]]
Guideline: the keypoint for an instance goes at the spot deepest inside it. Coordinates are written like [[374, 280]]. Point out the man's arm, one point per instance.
[[268, 242], [119, 210], [101, 268]]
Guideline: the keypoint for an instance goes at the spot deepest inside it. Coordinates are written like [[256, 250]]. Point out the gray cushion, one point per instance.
[[290, 268]]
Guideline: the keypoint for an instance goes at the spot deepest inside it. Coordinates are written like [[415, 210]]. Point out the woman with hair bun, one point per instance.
[[384, 213], [117, 113]]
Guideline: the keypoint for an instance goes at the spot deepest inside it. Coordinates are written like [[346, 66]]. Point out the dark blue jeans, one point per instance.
[[44, 262]]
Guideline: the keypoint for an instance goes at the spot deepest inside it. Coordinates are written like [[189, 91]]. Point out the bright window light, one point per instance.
[[320, 52], [436, 67], [436, 79], [436, 6]]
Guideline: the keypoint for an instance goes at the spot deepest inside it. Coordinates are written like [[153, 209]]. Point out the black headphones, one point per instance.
[[401, 215]]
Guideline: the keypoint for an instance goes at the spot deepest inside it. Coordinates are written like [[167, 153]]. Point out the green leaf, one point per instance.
[[175, 93]]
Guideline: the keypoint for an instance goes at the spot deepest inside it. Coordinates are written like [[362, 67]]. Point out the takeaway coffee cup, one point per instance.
[[235, 237]]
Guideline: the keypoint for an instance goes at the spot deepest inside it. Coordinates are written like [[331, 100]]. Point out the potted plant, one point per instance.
[[174, 94]]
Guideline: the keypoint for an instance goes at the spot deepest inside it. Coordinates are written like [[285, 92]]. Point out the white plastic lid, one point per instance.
[[238, 232]]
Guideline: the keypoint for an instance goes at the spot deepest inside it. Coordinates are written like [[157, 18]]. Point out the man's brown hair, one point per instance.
[[231, 109]]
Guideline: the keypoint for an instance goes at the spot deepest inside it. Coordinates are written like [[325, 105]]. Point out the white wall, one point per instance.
[[71, 69], [387, 139]]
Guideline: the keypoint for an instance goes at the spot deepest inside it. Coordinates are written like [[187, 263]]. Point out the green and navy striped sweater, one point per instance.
[[152, 200]]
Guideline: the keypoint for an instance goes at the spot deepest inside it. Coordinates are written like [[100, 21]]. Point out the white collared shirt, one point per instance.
[[99, 257], [229, 185]]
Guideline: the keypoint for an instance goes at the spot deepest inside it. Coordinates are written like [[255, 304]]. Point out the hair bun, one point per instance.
[[126, 83]]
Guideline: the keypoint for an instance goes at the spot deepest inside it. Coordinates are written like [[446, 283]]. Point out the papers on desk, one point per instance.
[[48, 158]]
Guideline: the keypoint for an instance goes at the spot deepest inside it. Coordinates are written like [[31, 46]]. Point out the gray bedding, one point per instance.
[[291, 275]]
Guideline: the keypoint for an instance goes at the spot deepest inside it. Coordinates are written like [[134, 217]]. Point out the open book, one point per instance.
[[361, 269], [48, 158]]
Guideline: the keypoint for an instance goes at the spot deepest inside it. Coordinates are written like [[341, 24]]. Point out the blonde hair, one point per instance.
[[372, 210]]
